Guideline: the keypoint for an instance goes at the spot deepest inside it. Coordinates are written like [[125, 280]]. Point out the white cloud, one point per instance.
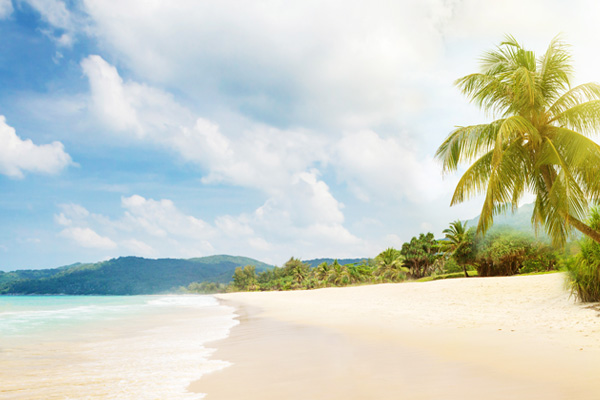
[[383, 167], [259, 156], [6, 9], [234, 227], [131, 107], [161, 218], [111, 100], [281, 163], [56, 14], [61, 219], [18, 156], [312, 221], [265, 59], [147, 227], [86, 237], [139, 248]]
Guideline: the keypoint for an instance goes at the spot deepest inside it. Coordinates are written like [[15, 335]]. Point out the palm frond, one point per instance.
[[554, 70], [584, 117], [488, 92], [474, 180], [467, 143], [507, 182], [575, 96], [525, 91]]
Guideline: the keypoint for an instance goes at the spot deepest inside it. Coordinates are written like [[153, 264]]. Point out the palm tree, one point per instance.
[[539, 143], [338, 274], [298, 270], [458, 243], [358, 272], [322, 271], [389, 265]]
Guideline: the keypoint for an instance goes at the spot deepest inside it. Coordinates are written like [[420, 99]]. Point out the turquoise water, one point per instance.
[[108, 347], [25, 315]]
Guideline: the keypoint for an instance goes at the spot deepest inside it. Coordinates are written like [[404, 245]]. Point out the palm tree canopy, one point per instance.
[[540, 142], [455, 236], [388, 265]]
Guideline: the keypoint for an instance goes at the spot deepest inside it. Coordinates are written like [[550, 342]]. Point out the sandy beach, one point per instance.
[[478, 338]]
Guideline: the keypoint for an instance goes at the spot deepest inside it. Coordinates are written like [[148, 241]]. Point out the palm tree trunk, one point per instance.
[[585, 229], [465, 269]]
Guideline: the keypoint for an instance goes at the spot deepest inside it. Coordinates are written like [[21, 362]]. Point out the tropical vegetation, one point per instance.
[[459, 244], [502, 251], [584, 268], [539, 142]]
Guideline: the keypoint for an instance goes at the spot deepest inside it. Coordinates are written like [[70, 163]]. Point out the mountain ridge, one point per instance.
[[125, 275]]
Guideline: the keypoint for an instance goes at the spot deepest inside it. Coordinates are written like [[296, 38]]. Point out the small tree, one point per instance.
[[502, 253], [420, 254], [459, 244], [298, 270], [245, 278], [389, 266], [338, 274]]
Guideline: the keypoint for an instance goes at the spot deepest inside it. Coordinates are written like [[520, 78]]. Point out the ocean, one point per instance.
[[108, 347]]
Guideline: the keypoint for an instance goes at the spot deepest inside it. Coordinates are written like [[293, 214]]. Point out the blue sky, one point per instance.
[[264, 129]]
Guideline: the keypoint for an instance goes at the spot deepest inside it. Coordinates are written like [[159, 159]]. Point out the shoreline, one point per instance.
[[493, 338]]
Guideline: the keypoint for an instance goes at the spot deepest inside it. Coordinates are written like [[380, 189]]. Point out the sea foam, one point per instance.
[[137, 347]]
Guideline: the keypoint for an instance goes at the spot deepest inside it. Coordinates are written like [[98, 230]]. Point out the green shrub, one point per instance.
[[584, 275], [451, 266], [505, 252], [584, 271]]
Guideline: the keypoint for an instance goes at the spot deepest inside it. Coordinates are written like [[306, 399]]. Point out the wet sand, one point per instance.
[[490, 338]]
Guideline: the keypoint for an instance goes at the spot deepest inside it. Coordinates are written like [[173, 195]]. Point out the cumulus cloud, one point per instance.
[[378, 167], [304, 217], [161, 218], [263, 61], [147, 227], [63, 23], [18, 156], [284, 164], [139, 248], [111, 100], [259, 156], [86, 237], [272, 232], [6, 9]]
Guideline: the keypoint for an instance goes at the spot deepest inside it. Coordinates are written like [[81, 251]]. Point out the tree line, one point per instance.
[[461, 252]]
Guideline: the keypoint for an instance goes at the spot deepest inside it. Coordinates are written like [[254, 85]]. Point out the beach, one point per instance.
[[108, 347], [521, 337]]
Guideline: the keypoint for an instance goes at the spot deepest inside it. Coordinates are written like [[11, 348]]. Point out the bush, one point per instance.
[[507, 252], [451, 266], [584, 276], [502, 253], [584, 271]]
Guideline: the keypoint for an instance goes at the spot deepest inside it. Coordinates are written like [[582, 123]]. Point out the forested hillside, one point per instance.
[[124, 276]]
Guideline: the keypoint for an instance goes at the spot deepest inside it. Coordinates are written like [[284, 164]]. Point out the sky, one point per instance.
[[268, 129]]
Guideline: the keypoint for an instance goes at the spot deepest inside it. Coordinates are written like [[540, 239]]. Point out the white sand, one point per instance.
[[525, 334], [538, 306]]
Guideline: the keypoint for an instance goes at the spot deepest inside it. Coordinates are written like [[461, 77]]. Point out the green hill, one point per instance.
[[124, 276], [520, 220]]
